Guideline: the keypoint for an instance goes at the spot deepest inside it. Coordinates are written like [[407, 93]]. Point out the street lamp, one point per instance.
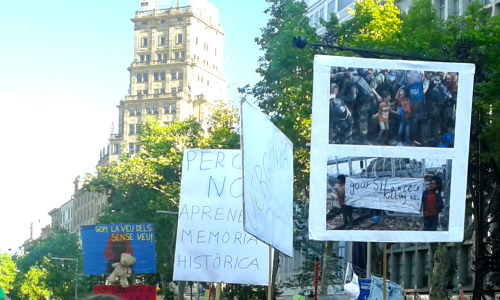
[[76, 271]]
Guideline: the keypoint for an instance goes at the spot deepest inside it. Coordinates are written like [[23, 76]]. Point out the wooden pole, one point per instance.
[[384, 284]]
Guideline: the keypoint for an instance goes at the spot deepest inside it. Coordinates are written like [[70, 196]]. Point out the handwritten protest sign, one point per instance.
[[102, 245], [211, 243], [267, 180], [387, 193]]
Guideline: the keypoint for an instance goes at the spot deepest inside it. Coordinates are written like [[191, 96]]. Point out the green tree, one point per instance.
[[374, 24], [142, 184], [285, 94], [59, 276], [422, 31], [34, 286], [7, 272]]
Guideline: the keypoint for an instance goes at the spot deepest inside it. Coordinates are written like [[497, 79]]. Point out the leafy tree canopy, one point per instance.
[[7, 272]]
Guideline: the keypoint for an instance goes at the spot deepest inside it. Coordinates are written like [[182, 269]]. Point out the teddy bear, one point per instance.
[[122, 269]]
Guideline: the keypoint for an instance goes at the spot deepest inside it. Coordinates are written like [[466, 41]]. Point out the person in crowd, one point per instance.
[[385, 108], [340, 118], [346, 209], [405, 124], [432, 204]]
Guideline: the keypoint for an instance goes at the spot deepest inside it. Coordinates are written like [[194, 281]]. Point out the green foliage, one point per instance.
[[373, 23], [7, 272], [58, 276], [34, 284], [422, 31], [142, 184]]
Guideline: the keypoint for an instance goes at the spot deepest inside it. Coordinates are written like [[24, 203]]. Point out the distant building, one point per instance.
[[87, 207], [176, 71]]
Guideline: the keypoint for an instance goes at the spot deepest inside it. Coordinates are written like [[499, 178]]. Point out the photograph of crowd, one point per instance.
[[370, 106], [373, 193]]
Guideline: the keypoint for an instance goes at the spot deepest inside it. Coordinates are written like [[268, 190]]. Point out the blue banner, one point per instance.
[[102, 245]]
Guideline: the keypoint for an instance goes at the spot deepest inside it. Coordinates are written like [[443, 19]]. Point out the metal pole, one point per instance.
[[76, 271], [270, 279], [384, 284], [76, 280]]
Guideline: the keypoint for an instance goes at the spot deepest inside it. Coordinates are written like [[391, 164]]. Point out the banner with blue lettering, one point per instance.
[[102, 245], [212, 245]]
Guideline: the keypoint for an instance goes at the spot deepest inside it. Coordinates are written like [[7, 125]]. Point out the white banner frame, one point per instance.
[[321, 149], [267, 180]]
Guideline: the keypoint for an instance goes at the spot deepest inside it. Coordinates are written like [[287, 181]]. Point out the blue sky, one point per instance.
[[63, 71]]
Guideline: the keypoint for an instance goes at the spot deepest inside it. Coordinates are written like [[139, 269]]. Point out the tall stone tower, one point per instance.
[[176, 71]]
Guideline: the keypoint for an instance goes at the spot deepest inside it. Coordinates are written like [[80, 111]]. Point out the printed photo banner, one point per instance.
[[211, 243], [387, 193], [389, 120], [102, 245]]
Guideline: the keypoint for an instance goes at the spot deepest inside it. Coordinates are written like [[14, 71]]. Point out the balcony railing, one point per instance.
[[161, 62], [153, 96], [162, 12]]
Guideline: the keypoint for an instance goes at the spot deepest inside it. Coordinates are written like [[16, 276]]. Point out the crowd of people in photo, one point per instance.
[[392, 107]]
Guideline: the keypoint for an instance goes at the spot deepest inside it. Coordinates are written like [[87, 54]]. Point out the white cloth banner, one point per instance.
[[267, 180], [385, 193], [211, 243]]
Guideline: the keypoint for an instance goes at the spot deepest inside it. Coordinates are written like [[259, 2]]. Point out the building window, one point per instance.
[[156, 77], [166, 109], [442, 10], [144, 23], [179, 19], [162, 76], [131, 129], [173, 91], [145, 77], [116, 148], [138, 128], [152, 110], [178, 38], [139, 94], [144, 58], [137, 148], [131, 111], [162, 21], [330, 10], [322, 13], [138, 112], [162, 40], [144, 42], [139, 77], [456, 8], [173, 75]]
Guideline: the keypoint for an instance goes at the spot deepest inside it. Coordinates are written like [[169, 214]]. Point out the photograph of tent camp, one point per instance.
[[387, 193]]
